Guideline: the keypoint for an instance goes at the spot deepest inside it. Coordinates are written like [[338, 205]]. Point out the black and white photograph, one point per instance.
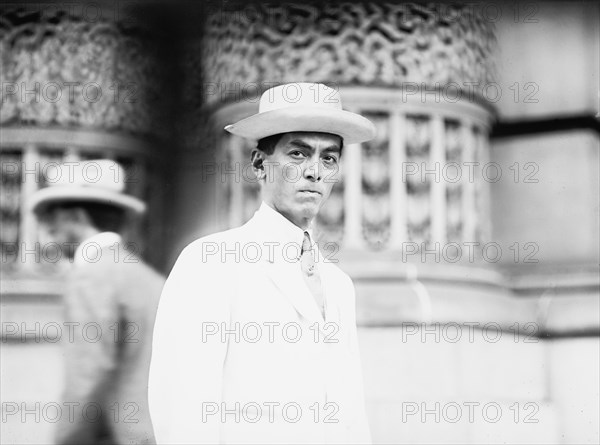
[[299, 222]]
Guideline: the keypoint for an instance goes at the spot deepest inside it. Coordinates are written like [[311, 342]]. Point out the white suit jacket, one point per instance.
[[241, 352], [114, 290]]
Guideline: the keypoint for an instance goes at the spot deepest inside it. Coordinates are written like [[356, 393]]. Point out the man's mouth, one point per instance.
[[313, 192]]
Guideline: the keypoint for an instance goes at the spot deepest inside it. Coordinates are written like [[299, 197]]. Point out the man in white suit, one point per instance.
[[110, 288], [255, 338]]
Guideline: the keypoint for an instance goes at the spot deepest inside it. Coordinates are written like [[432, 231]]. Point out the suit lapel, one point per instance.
[[330, 292], [288, 279], [289, 282]]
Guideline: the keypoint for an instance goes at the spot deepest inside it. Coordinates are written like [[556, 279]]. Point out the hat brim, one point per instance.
[[49, 195], [351, 127]]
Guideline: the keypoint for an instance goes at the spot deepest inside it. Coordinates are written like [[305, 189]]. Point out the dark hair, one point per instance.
[[104, 217], [267, 145]]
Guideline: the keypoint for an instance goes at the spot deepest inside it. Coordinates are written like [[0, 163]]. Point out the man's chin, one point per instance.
[[309, 208]]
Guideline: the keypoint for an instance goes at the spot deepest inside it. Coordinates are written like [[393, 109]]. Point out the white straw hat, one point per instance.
[[303, 106], [100, 181]]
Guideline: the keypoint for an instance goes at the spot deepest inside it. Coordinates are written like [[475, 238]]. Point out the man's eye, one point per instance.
[[330, 159], [297, 153]]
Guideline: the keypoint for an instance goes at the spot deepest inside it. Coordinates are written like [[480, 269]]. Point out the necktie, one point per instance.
[[310, 273]]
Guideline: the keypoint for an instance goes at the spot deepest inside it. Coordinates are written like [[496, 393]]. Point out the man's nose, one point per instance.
[[313, 170]]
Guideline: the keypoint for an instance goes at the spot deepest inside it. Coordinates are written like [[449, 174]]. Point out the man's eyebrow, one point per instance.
[[335, 148], [300, 144]]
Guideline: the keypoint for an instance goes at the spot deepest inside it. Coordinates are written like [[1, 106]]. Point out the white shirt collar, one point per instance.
[[90, 249], [281, 224], [278, 229]]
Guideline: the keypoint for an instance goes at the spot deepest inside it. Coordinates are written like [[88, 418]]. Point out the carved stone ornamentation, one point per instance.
[[10, 196], [418, 146], [252, 46], [59, 68], [375, 168], [454, 181]]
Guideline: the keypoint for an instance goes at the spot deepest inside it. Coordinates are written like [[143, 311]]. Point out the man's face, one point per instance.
[[300, 174], [62, 227]]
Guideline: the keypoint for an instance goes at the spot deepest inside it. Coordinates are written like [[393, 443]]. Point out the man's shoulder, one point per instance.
[[122, 255], [123, 264], [345, 293], [210, 248], [231, 236], [334, 270]]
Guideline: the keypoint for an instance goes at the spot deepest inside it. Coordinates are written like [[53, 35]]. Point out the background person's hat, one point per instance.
[[94, 181], [303, 106]]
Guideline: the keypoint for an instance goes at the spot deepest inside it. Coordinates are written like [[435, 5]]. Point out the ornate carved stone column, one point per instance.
[[78, 82]]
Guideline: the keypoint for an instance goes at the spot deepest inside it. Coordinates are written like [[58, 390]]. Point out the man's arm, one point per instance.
[[187, 363], [89, 353], [360, 427]]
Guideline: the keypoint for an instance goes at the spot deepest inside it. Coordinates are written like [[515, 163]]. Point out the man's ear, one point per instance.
[[258, 159]]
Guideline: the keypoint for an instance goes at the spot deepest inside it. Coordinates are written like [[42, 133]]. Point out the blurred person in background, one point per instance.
[[111, 301], [255, 338]]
